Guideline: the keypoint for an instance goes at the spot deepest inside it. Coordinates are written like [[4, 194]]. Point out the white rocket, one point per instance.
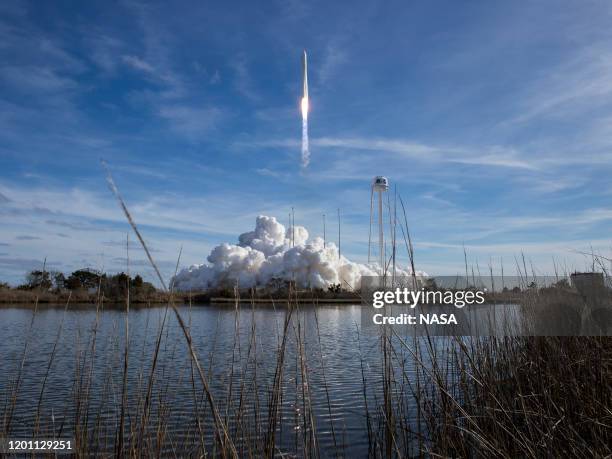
[[305, 67], [305, 77]]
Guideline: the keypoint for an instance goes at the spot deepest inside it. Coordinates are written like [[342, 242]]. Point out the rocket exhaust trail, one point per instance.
[[305, 148], [305, 151]]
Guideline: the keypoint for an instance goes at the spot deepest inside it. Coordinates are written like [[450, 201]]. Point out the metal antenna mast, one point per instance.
[[292, 227], [339, 253], [324, 236]]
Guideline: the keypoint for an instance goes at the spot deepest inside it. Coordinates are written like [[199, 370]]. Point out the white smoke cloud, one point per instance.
[[267, 253]]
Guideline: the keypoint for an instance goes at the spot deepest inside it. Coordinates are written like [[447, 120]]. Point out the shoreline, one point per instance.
[[16, 296]]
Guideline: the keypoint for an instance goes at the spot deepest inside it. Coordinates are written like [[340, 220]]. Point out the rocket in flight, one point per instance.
[[305, 67], [305, 148], [305, 79]]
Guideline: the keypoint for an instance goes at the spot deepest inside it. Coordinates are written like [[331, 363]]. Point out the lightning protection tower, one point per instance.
[[380, 185]]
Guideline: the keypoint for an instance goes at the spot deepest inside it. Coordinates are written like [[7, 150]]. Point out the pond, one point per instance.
[[328, 394]]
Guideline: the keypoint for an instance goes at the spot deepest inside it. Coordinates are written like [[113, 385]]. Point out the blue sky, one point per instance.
[[494, 121]]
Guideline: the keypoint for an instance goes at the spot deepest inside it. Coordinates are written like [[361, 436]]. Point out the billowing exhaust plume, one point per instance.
[[305, 147], [266, 255]]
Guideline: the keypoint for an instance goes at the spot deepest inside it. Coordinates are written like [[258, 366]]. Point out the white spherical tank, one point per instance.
[[380, 183]]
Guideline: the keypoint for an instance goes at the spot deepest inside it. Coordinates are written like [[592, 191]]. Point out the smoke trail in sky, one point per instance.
[[305, 151], [305, 147]]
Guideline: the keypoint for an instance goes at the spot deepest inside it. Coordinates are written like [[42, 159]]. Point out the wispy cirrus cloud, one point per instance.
[[104, 49], [577, 84], [25, 237], [335, 55], [137, 63], [243, 80], [191, 122], [495, 156], [24, 264]]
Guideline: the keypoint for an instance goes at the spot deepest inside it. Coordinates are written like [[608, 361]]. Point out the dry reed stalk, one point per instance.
[[221, 429]]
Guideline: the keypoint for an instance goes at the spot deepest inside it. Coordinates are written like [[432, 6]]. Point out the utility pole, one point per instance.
[[339, 253], [292, 227]]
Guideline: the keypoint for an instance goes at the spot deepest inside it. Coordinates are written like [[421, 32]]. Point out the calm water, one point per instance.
[[241, 372]]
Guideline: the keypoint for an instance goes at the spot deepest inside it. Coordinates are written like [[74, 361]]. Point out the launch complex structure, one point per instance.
[[380, 185]]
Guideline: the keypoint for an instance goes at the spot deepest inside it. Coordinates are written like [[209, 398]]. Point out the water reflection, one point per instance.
[[325, 352]]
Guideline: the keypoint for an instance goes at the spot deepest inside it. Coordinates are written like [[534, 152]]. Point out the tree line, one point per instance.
[[111, 285]]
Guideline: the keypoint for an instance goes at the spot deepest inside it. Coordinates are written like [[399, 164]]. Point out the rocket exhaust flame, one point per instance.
[[305, 108], [305, 147]]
